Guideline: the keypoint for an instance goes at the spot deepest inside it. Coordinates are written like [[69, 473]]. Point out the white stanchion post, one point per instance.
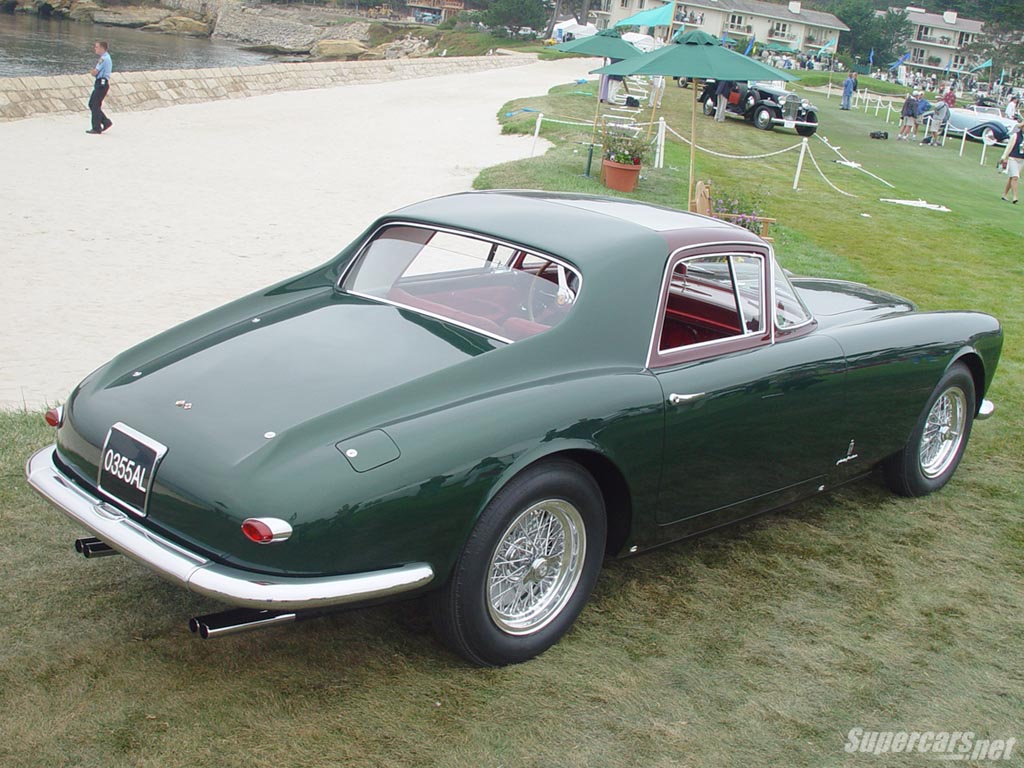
[[800, 164], [945, 133], [963, 140], [984, 146], [828, 94], [661, 142], [878, 106], [867, 98], [536, 132]]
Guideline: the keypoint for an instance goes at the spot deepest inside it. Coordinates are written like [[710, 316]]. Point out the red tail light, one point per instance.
[[266, 530], [55, 416]]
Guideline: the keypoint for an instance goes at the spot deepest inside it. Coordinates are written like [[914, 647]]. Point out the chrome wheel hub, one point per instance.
[[943, 433], [535, 567]]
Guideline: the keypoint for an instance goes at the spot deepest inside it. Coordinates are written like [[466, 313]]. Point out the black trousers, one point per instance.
[[99, 92]]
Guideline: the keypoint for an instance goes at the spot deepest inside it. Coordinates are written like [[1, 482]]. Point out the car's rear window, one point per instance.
[[492, 287]]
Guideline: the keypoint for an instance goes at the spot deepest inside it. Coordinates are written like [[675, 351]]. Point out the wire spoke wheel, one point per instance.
[[932, 453], [943, 433], [535, 567]]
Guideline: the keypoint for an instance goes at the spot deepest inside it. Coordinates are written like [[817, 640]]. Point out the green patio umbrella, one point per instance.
[[696, 54], [607, 43]]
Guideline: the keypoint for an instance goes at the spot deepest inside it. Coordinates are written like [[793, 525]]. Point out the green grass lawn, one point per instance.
[[761, 645]]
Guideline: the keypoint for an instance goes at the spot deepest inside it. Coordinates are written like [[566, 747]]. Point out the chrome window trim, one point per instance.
[[775, 326], [747, 249], [339, 285]]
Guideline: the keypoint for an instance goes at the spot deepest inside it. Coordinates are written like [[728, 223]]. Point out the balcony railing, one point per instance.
[[777, 34], [745, 29]]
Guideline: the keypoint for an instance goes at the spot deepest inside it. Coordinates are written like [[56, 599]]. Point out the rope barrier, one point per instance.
[[850, 163], [822, 174], [731, 157]]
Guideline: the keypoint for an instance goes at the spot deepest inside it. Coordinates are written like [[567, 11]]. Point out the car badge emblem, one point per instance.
[[183, 404], [851, 454]]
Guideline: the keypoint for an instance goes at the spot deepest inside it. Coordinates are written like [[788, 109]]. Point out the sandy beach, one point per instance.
[[109, 239]]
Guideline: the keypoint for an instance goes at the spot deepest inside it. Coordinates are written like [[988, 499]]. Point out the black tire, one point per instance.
[[468, 613], [808, 130], [763, 118], [913, 471], [682, 82], [709, 107]]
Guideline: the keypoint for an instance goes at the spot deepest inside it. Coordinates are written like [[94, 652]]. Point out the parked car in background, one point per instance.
[[766, 106], [982, 123], [468, 404]]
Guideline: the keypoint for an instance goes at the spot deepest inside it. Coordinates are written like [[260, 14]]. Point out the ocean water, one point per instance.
[[31, 46]]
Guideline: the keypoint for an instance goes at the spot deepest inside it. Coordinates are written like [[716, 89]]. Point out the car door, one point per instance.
[[753, 412]]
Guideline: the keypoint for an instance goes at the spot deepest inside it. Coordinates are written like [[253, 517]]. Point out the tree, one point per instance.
[[515, 14], [886, 34], [1001, 43], [892, 33]]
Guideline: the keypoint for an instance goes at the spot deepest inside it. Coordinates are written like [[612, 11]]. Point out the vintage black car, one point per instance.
[[765, 106]]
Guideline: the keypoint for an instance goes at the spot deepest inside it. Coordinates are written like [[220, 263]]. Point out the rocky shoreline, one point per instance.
[[320, 33]]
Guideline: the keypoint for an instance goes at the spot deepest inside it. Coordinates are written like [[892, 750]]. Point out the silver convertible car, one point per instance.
[[981, 123]]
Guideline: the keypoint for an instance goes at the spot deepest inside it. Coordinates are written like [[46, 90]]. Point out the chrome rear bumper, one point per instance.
[[204, 576]]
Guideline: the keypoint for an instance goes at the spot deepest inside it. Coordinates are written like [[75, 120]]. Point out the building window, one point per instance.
[[640, 4], [623, 3], [965, 38], [917, 57]]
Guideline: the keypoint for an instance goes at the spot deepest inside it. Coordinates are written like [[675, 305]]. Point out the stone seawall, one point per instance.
[[22, 97]]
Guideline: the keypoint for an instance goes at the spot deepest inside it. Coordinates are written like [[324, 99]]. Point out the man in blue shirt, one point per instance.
[[100, 122], [849, 86]]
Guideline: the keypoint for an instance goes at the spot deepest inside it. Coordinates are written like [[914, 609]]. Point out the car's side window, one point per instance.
[[790, 311], [711, 298]]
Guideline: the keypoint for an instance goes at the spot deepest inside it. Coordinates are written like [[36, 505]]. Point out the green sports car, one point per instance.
[[488, 393]]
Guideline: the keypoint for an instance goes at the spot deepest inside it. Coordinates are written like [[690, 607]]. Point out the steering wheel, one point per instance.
[[533, 294]]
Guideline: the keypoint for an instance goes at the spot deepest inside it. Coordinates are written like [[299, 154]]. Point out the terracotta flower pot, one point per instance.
[[620, 176]]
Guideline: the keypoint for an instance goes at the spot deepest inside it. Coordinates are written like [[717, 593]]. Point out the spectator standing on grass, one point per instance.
[[938, 120], [849, 86], [949, 96], [722, 92], [1012, 160], [100, 122], [908, 116], [923, 105]]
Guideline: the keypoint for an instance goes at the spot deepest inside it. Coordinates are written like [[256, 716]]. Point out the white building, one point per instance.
[[772, 24], [937, 41]]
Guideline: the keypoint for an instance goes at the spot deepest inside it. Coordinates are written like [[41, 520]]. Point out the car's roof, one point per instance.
[[584, 228]]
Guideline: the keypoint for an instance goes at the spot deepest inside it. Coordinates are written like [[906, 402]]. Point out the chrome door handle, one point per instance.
[[677, 399]]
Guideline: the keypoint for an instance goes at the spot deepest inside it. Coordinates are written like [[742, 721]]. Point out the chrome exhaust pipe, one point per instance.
[[241, 620], [92, 547]]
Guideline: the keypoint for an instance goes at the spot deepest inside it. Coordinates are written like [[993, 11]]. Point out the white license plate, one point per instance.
[[789, 123], [127, 465]]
